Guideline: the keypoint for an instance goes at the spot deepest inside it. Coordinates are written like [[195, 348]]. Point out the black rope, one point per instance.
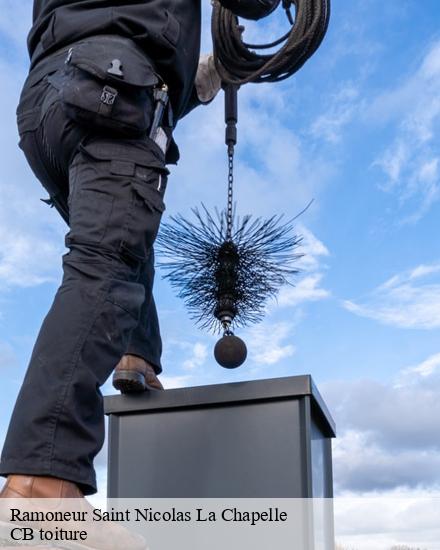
[[236, 61]]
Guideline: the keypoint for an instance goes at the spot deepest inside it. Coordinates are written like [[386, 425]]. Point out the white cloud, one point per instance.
[[394, 520], [306, 290], [387, 431], [312, 248], [169, 382], [340, 111], [361, 464], [411, 161], [407, 300], [276, 172], [426, 368], [422, 270], [267, 344], [307, 287], [198, 357]]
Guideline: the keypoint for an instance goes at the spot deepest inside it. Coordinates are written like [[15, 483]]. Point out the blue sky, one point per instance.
[[357, 130]]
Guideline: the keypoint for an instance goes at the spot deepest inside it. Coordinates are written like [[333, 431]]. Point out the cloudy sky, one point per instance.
[[358, 131]]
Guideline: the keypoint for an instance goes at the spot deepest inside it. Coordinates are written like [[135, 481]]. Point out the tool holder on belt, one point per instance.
[[109, 83]]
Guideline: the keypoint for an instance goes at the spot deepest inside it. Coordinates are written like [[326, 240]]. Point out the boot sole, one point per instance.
[[127, 381]]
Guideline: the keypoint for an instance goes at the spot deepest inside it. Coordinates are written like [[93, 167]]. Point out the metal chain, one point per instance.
[[230, 192]]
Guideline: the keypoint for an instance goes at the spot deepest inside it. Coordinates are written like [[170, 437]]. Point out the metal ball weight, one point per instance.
[[230, 351]]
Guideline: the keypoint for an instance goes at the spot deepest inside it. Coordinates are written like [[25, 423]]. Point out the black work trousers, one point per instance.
[[111, 192]]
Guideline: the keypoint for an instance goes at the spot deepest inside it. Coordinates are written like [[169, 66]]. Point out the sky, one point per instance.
[[357, 130]]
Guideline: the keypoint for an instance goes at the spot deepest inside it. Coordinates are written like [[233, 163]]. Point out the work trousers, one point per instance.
[[110, 190]]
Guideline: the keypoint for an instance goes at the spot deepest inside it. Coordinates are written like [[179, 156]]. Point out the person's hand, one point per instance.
[[208, 81]]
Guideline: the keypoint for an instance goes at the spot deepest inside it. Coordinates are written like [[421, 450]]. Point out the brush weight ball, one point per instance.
[[230, 351]]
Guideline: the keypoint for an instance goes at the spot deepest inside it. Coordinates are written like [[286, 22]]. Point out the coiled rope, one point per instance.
[[238, 63]]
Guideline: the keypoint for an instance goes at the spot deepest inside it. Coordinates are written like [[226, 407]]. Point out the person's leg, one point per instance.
[[137, 370], [115, 203], [145, 340]]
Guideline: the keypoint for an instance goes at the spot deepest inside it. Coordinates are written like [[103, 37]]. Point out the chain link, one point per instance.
[[230, 193]]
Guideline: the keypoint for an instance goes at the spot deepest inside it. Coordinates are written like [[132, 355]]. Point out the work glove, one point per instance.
[[208, 81]]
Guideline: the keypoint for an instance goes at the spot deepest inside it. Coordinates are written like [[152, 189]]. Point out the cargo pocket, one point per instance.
[[108, 83], [148, 184], [90, 213], [90, 200], [134, 174]]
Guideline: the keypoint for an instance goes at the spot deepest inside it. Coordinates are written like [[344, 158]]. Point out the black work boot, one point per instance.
[[134, 374]]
